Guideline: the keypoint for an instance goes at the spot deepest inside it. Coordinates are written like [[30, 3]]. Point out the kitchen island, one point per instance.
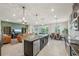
[[0, 50], [0, 47], [34, 44]]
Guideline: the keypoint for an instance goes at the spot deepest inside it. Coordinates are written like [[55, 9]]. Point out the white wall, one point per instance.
[[51, 27], [30, 28], [62, 26]]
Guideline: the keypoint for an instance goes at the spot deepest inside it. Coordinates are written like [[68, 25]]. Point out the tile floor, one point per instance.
[[53, 48], [12, 50]]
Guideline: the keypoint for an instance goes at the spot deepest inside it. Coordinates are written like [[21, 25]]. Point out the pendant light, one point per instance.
[[23, 17]]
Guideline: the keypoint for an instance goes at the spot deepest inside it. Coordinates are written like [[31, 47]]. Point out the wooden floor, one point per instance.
[[53, 48]]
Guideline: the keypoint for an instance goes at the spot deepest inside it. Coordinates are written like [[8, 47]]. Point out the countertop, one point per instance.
[[34, 37]]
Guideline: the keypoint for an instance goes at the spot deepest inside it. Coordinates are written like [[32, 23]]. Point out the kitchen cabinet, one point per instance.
[[74, 50], [0, 47], [31, 48], [46, 40], [0, 50], [33, 45], [74, 29], [28, 48], [75, 17], [36, 47], [43, 42]]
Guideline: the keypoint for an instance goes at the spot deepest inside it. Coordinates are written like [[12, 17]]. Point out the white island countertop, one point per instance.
[[34, 37]]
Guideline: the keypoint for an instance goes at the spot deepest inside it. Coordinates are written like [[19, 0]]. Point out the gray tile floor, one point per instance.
[[53, 48], [13, 49]]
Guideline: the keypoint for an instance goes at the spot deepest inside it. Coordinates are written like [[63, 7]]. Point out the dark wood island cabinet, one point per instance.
[[0, 50], [34, 44], [43, 42]]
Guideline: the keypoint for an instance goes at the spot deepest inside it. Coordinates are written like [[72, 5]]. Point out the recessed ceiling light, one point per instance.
[[55, 16], [14, 15], [42, 24], [36, 22], [23, 18], [77, 11], [52, 9], [7, 20], [23, 23]]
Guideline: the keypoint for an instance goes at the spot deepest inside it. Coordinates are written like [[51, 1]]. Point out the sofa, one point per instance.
[[6, 38]]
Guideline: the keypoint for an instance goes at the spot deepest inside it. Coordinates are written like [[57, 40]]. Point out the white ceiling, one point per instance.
[[45, 15]]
